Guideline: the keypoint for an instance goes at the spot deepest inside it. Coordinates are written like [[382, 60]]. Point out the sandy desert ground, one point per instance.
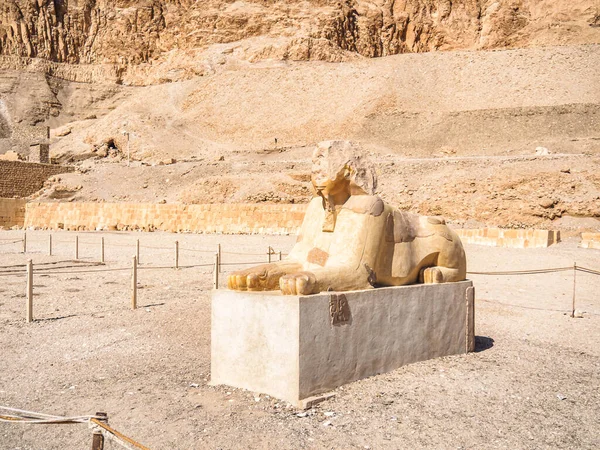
[[532, 382]]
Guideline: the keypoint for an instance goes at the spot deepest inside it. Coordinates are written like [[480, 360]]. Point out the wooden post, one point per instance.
[[98, 437], [279, 255], [574, 288], [25, 242], [102, 249], [219, 252], [177, 254], [269, 253], [216, 273], [76, 247], [50, 245], [29, 315], [134, 284]]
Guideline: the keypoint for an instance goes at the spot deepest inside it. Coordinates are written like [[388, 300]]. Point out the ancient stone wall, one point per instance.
[[498, 237], [215, 218], [21, 179], [228, 219], [590, 240], [12, 212]]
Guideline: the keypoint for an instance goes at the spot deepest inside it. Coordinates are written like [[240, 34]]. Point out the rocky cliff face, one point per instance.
[[127, 33]]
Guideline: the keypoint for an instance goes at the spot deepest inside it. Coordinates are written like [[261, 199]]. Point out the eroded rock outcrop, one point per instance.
[[126, 33]]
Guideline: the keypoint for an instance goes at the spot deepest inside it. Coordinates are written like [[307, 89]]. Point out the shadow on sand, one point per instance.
[[483, 343]]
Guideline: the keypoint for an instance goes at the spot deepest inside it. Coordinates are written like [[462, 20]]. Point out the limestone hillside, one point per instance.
[[150, 41]]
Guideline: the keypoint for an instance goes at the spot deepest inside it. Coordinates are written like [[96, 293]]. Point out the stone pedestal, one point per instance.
[[295, 347]]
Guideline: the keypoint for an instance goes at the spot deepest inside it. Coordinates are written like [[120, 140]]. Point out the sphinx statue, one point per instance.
[[351, 239]]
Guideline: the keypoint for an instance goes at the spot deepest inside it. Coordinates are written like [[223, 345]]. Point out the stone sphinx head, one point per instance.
[[339, 171]]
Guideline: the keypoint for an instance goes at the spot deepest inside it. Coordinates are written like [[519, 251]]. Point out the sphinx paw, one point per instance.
[[253, 279], [431, 275], [301, 283]]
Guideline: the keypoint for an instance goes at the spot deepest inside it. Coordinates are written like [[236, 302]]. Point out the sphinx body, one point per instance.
[[351, 239]]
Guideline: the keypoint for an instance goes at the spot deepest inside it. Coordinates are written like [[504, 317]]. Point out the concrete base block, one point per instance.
[[296, 347]]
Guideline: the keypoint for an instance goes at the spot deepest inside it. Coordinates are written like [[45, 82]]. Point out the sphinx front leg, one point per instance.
[[261, 278], [438, 274], [323, 280]]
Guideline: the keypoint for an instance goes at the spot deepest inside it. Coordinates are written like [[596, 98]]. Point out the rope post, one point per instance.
[[50, 245], [102, 249], [219, 252], [76, 247], [216, 272], [98, 437], [574, 289], [29, 315], [269, 252], [177, 254], [137, 250], [25, 242], [134, 284], [279, 255]]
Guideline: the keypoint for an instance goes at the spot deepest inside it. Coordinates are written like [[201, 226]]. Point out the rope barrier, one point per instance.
[[22, 416], [173, 267], [113, 435], [74, 261], [108, 244], [12, 242], [196, 250], [16, 274], [586, 270], [12, 271], [156, 248], [245, 254], [196, 265], [95, 422], [74, 272], [239, 263], [10, 267], [524, 272], [80, 264]]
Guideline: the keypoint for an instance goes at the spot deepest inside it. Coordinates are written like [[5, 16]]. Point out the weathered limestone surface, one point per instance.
[[590, 240], [294, 347], [12, 212], [210, 218], [498, 237], [132, 32]]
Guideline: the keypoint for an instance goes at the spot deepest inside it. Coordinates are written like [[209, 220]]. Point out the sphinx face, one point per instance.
[[328, 182]]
